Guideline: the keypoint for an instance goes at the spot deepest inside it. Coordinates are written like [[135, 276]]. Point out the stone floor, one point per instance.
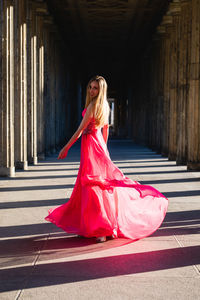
[[40, 261]]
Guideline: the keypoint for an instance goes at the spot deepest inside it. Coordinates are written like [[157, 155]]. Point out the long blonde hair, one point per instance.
[[101, 107]]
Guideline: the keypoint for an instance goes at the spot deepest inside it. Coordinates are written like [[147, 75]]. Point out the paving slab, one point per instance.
[[40, 261]]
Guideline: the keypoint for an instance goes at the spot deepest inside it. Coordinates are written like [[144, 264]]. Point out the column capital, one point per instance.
[[167, 20], [161, 29], [174, 8], [42, 8], [185, 1]]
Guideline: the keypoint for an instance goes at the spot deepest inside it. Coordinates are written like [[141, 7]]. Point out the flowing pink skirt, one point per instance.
[[104, 201]]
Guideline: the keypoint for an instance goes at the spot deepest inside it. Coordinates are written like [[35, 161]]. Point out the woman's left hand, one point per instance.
[[63, 153]]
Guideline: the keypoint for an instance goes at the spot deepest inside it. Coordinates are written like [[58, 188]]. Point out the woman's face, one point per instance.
[[93, 89]]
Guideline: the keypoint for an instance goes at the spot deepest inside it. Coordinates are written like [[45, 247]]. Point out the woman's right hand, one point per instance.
[[63, 153]]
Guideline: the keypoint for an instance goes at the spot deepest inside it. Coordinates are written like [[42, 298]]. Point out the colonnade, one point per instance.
[[35, 89], [166, 97], [41, 96]]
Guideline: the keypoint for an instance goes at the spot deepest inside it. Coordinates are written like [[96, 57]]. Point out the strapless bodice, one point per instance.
[[91, 126]]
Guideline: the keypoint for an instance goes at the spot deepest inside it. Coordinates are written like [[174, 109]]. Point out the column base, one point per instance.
[[192, 166], [23, 165], [33, 160], [171, 157], [181, 162], [41, 156], [9, 172]]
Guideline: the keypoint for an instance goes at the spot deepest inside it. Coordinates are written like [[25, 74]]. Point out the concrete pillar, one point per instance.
[[32, 84], [152, 113], [49, 85], [52, 95], [193, 128], [183, 82], [1, 99], [21, 86], [155, 92], [40, 100], [57, 97], [7, 90], [46, 89], [152, 81], [164, 32], [161, 84], [174, 10]]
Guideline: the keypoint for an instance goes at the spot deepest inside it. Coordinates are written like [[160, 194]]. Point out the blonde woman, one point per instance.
[[104, 203]]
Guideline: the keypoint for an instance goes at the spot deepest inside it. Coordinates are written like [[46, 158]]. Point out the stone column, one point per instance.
[[174, 10], [57, 97], [155, 91], [52, 86], [1, 78], [46, 89], [163, 70], [164, 32], [160, 95], [7, 96], [21, 85], [183, 84], [41, 146], [154, 83], [193, 128], [49, 85], [40, 100], [33, 85]]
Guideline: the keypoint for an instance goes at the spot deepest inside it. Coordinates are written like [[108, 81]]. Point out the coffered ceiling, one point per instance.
[[107, 34]]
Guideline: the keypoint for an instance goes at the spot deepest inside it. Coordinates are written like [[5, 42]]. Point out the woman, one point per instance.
[[105, 203]]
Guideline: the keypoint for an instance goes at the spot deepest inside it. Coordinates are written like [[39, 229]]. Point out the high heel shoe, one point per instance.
[[101, 239]]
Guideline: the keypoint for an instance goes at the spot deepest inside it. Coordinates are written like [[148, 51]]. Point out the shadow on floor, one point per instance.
[[173, 180], [37, 187], [180, 223], [49, 274], [59, 245], [33, 203]]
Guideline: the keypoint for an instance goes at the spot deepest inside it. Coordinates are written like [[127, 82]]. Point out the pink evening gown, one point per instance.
[[105, 202]]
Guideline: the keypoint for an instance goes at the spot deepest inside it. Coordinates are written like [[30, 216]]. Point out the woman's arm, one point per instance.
[[105, 132], [84, 123]]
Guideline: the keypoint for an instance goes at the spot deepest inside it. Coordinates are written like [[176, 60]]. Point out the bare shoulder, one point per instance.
[[90, 109]]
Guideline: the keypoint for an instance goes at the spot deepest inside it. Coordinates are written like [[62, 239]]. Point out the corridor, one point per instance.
[[148, 51], [40, 261]]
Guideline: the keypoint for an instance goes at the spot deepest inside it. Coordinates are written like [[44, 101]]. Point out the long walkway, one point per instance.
[[40, 261]]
